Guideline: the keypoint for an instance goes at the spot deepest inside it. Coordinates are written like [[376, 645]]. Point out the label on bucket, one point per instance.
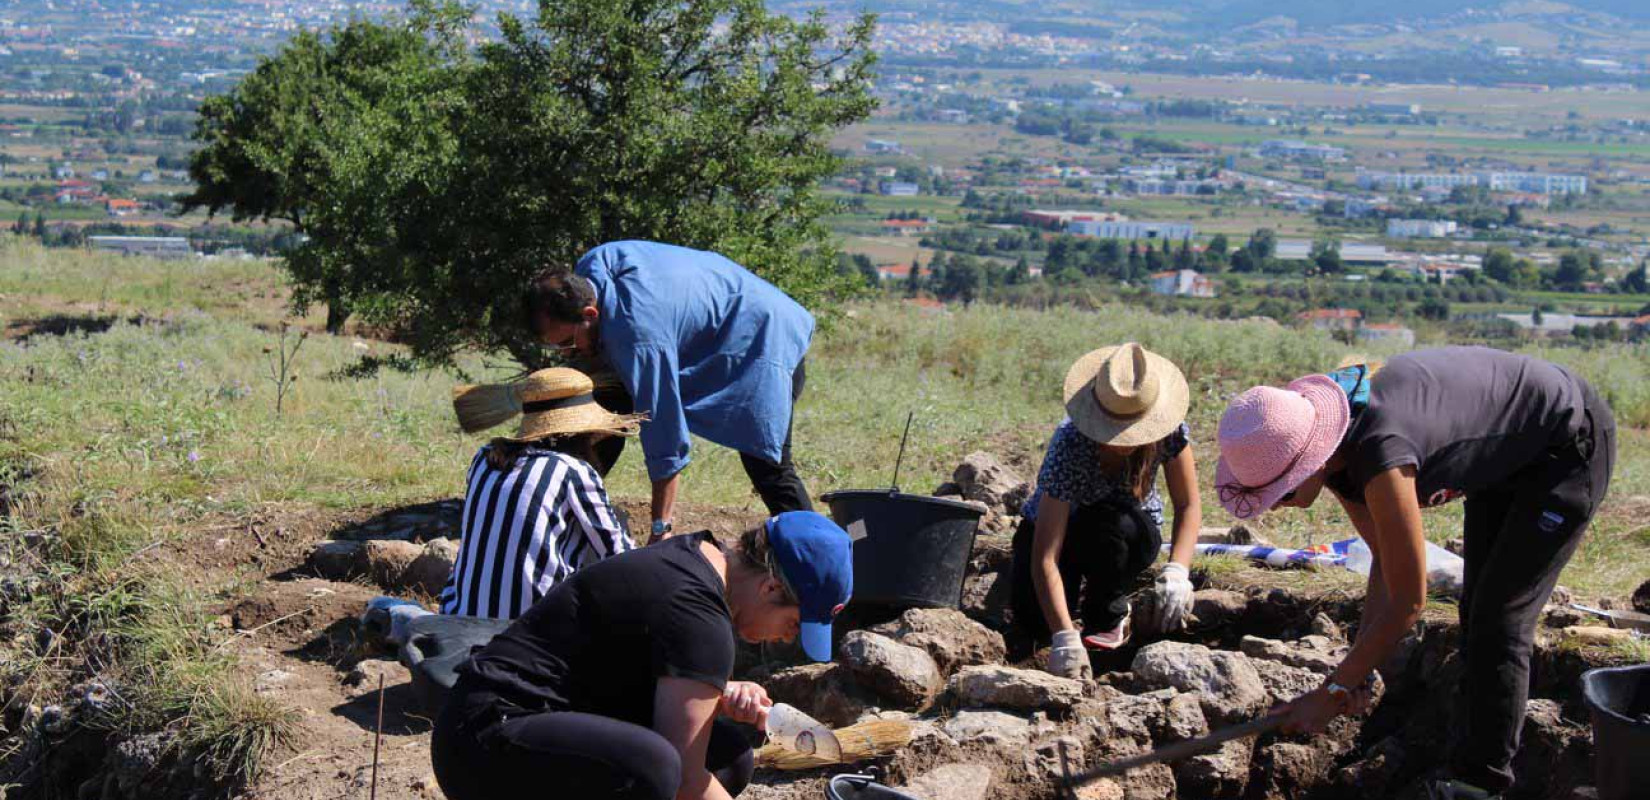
[[856, 530]]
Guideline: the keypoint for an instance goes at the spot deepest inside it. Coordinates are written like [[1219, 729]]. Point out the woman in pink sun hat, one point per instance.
[[1530, 447], [1093, 525]]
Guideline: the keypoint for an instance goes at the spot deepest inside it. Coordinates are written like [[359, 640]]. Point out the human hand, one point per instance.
[[1171, 598], [1309, 713], [1069, 658], [743, 701], [662, 530]]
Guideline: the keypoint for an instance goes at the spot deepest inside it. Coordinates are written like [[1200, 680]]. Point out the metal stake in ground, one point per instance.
[[894, 488], [377, 739]]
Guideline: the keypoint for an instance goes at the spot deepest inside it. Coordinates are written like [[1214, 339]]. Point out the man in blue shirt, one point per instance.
[[700, 344]]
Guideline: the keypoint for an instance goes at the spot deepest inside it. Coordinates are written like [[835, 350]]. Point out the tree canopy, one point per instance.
[[433, 179]]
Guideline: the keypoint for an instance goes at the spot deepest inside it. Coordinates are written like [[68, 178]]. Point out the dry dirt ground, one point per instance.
[[298, 640]]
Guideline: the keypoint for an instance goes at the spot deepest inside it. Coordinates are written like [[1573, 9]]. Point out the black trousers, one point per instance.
[[479, 752], [1517, 542], [1106, 548], [776, 483]]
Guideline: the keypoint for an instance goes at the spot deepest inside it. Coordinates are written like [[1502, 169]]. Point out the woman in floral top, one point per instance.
[[1126, 411]]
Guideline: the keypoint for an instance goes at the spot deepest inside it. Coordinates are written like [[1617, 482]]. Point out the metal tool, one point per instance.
[[893, 488], [793, 730], [1628, 620], [1175, 752]]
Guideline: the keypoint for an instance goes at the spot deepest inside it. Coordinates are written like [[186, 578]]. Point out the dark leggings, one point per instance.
[[778, 485], [477, 755], [1517, 542], [1105, 550]]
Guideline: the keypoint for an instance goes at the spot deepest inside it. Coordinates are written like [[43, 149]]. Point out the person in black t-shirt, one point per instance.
[[1529, 446], [610, 686]]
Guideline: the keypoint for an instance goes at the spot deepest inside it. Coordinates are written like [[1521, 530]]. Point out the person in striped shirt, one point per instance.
[[535, 509]]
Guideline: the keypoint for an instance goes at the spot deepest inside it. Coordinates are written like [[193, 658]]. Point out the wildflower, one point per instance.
[[194, 455]]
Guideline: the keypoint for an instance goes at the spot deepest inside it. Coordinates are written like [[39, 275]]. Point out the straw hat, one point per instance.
[[551, 402], [1126, 396]]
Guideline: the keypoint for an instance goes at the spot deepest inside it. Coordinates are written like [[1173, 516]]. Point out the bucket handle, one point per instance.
[[893, 488]]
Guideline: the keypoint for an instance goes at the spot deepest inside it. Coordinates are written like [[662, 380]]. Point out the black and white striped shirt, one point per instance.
[[526, 529]]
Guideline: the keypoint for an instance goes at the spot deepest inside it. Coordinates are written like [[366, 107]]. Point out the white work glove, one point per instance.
[[1069, 658], [1172, 598]]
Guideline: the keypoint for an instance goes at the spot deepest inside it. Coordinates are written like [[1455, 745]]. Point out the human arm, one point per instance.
[[1375, 596], [664, 503], [651, 374], [1049, 537], [1172, 593], [1400, 547], [587, 502], [683, 710]]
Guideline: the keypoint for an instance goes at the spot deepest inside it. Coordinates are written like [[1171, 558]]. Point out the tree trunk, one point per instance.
[[337, 315]]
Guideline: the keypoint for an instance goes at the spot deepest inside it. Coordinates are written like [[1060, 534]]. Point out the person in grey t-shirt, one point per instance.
[[1527, 444]]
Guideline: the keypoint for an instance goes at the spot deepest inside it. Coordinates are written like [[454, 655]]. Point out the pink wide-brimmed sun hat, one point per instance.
[[1271, 440]]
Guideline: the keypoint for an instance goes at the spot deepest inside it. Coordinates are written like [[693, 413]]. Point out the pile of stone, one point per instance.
[[404, 550]]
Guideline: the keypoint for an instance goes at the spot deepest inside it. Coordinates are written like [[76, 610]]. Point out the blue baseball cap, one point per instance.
[[817, 559]]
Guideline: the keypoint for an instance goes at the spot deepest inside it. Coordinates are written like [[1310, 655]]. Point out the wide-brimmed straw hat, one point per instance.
[[551, 402], [1272, 440], [1125, 396]]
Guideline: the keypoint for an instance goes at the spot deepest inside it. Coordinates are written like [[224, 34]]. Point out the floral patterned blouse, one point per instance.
[[1072, 471]]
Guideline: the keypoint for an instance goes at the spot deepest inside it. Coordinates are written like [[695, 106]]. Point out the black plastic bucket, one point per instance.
[[436, 645], [910, 551], [861, 787], [1619, 699]]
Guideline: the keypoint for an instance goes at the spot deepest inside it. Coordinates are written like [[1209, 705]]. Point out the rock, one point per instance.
[[1283, 682], [426, 788], [1230, 686], [386, 560], [1641, 598], [1103, 789], [952, 782], [1272, 650], [991, 727], [904, 676], [1152, 782], [1456, 545], [1216, 607], [336, 561], [983, 479], [270, 680], [1044, 761], [363, 677], [1135, 716], [1561, 616], [132, 760], [429, 572], [985, 598], [1555, 748], [948, 489], [1376, 774], [1223, 773], [1596, 635], [825, 692], [1563, 596], [1020, 689], [1289, 769], [949, 636], [1183, 719], [1323, 626]]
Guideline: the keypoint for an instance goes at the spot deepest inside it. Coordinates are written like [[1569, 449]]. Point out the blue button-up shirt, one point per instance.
[[702, 344]]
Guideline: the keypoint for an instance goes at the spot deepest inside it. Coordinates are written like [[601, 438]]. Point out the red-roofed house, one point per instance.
[[1333, 319], [906, 227], [120, 207], [1387, 332]]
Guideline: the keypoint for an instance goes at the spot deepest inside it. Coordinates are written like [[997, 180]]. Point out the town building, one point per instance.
[[1532, 182], [1117, 229], [1302, 151], [120, 207], [1182, 283], [1058, 220], [1420, 228], [882, 146], [906, 227], [899, 189], [153, 246]]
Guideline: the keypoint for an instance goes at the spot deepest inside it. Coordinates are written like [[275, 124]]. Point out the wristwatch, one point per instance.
[[1339, 693], [661, 527]]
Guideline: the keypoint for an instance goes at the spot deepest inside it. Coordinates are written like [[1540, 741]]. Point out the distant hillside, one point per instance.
[[1317, 13]]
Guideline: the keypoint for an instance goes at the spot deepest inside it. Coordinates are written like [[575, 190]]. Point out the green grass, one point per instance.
[[158, 427]]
